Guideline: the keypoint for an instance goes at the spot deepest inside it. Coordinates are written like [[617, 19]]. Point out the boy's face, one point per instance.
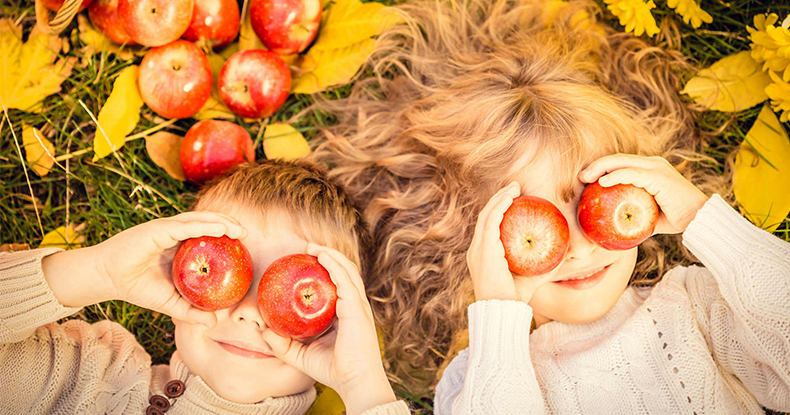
[[248, 372]]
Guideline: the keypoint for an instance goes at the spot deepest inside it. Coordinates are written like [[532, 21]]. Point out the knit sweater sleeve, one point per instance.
[[741, 299], [74, 367], [394, 408], [495, 374]]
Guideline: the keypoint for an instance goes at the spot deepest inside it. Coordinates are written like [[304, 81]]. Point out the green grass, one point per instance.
[[110, 195]]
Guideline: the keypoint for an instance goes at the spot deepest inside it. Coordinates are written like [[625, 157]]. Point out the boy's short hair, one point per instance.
[[319, 208]]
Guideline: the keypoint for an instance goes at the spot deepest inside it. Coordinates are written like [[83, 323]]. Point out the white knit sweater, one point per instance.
[[100, 368], [712, 340]]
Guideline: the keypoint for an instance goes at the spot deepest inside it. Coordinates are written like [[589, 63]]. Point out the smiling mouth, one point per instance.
[[242, 352], [586, 280]]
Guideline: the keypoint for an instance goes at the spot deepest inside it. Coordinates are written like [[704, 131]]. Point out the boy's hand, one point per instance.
[[678, 198], [491, 277], [347, 358], [135, 266]]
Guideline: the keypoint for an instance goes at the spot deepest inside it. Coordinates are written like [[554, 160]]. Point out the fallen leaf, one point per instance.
[[332, 67], [327, 402], [731, 84], [283, 141], [349, 22], [39, 151], [762, 172], [247, 37], [214, 107], [119, 115], [64, 237], [31, 71], [165, 150], [95, 42], [14, 247]]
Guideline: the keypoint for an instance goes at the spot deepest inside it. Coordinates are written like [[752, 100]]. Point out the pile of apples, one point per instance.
[[175, 78]]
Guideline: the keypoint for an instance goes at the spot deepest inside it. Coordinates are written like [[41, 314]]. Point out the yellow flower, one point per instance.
[[771, 44], [779, 93], [690, 11], [634, 15]]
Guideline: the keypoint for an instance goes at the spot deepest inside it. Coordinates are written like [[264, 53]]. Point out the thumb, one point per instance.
[[288, 350], [182, 310]]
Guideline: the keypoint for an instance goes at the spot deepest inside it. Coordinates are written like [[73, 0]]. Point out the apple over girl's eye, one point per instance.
[[618, 217], [535, 236], [296, 297], [212, 273]]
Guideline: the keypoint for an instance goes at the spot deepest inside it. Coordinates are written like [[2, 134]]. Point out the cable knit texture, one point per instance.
[[704, 340], [81, 368]]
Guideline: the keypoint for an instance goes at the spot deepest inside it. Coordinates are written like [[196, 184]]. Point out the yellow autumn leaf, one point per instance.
[[95, 42], [349, 21], [247, 37], [332, 67], [64, 237], [214, 107], [283, 141], [731, 84], [119, 115], [762, 172], [165, 150], [327, 402], [31, 71], [39, 151]]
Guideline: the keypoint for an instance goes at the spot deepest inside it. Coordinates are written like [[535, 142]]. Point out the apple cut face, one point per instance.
[[535, 236], [619, 217], [296, 297]]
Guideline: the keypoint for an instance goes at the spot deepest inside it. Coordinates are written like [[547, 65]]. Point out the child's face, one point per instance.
[[238, 375], [554, 301]]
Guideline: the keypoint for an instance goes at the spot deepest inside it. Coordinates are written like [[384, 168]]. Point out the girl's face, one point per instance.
[[587, 300], [251, 373]]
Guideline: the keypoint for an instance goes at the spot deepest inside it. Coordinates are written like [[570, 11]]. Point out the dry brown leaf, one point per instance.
[[165, 150]]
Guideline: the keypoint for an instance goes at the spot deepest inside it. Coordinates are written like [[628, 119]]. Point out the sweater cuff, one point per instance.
[[393, 408], [26, 301], [499, 331], [720, 237]]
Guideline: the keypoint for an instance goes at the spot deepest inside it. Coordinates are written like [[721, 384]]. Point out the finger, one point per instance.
[[350, 268], [177, 307], [610, 163], [510, 191], [491, 229], [235, 229], [168, 234], [290, 351], [646, 179]]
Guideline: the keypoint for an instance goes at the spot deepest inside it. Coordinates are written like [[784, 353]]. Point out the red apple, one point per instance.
[[211, 147], [104, 15], [296, 297], [175, 79], [214, 21], [55, 5], [535, 236], [212, 273], [155, 22], [617, 217], [286, 26], [254, 83]]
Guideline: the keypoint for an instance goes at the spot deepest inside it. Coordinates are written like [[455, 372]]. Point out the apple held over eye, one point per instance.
[[618, 217], [535, 236], [215, 22], [212, 273], [175, 79], [104, 15], [55, 5], [254, 83], [286, 26], [155, 22], [211, 147], [296, 297]]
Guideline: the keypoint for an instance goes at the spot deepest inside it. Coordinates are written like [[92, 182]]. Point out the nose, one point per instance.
[[246, 310], [579, 247]]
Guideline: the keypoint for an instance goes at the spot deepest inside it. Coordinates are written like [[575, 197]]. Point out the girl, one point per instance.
[[482, 94]]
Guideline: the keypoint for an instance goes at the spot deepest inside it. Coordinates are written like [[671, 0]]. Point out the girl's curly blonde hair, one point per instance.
[[461, 91]]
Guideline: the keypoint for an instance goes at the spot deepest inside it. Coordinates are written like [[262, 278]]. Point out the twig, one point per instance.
[[24, 167]]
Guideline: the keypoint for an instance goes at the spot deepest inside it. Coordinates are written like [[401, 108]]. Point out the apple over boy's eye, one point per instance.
[[212, 273], [535, 236]]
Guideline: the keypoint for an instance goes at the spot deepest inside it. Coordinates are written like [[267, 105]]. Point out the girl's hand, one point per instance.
[[347, 358], [678, 198], [135, 266], [491, 277]]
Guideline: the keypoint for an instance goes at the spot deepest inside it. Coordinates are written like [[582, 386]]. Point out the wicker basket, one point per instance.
[[62, 18]]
